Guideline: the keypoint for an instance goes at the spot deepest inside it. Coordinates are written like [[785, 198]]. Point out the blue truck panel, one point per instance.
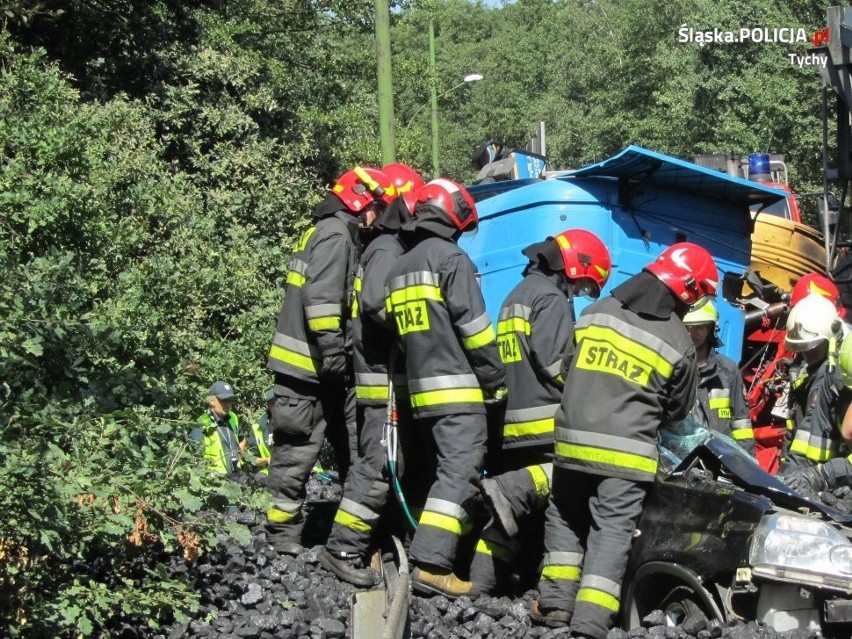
[[634, 213]]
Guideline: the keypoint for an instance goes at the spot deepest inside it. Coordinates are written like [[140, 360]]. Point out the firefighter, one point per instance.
[[218, 430], [535, 326], [631, 370], [814, 461], [314, 397], [366, 490], [453, 369], [720, 401]]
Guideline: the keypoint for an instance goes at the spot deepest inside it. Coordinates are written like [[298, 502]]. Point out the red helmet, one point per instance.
[[406, 180], [688, 270], [585, 257], [814, 283], [362, 186], [452, 200]]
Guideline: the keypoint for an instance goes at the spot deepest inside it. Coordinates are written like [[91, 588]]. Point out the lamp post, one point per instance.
[[471, 77]]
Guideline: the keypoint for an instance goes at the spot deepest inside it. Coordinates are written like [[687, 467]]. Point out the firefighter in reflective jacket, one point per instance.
[[453, 368], [366, 490], [815, 459], [536, 325], [631, 370], [218, 430], [314, 398], [720, 401]]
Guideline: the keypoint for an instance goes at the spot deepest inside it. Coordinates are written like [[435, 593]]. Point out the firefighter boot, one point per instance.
[[432, 580], [550, 617], [349, 567], [500, 507]]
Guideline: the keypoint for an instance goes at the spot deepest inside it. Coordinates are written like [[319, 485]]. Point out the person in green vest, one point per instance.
[[218, 431], [258, 438]]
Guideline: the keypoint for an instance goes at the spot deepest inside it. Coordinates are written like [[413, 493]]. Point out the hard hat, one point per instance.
[[814, 283], [453, 202], [406, 182], [688, 270], [845, 361], [221, 390], [702, 314], [584, 257], [812, 321], [362, 186]]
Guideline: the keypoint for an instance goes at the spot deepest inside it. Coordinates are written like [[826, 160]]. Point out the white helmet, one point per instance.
[[812, 321]]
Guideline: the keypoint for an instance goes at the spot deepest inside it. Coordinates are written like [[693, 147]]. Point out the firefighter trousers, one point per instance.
[[458, 442], [524, 496], [299, 424], [588, 531]]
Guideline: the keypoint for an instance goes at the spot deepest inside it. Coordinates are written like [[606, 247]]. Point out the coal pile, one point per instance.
[[252, 592]]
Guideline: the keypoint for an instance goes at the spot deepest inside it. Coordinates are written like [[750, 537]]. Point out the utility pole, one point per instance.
[[383, 66], [433, 85]]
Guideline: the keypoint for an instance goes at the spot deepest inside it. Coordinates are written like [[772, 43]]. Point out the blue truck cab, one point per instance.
[[637, 202]]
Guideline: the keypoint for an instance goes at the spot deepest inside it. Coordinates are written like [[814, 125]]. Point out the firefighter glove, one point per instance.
[[333, 368], [808, 481]]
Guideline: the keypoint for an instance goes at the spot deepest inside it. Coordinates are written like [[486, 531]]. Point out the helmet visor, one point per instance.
[[586, 287]]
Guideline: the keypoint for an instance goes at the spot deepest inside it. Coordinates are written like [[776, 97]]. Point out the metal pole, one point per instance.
[[433, 77], [383, 66]]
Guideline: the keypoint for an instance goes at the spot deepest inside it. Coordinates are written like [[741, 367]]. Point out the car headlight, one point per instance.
[[801, 550]]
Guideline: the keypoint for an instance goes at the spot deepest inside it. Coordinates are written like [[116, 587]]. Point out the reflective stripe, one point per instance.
[[422, 285], [475, 327], [563, 558], [514, 325], [541, 481], [356, 288], [445, 507], [606, 450], [561, 573], [276, 516], [479, 340], [535, 413], [814, 447], [303, 241], [496, 548], [355, 516], [324, 324], [425, 384], [294, 359], [444, 522], [296, 279], [600, 592], [371, 379], [294, 345], [529, 429], [450, 396], [741, 429], [413, 279], [515, 310], [371, 386], [298, 266], [319, 311]]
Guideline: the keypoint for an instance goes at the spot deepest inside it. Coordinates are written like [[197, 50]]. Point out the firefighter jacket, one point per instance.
[[631, 369], [372, 336], [536, 325], [220, 440], [312, 323], [720, 403], [814, 394], [449, 342]]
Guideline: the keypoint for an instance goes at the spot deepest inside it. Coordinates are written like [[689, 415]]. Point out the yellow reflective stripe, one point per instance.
[[412, 293], [448, 396], [814, 453], [716, 403], [351, 521], [493, 549], [296, 279], [324, 324], [742, 433], [514, 324], [294, 359], [608, 457], [598, 598], [303, 241], [276, 516], [605, 350], [482, 338], [791, 425], [371, 392], [539, 477], [444, 522], [527, 429], [565, 573]]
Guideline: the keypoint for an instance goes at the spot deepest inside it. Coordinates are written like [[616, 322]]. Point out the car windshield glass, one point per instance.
[[680, 439]]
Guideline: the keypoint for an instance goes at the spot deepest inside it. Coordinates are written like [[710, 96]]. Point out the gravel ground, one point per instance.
[[253, 593]]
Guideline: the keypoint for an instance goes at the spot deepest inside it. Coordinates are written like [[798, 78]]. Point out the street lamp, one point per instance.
[[471, 77]]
